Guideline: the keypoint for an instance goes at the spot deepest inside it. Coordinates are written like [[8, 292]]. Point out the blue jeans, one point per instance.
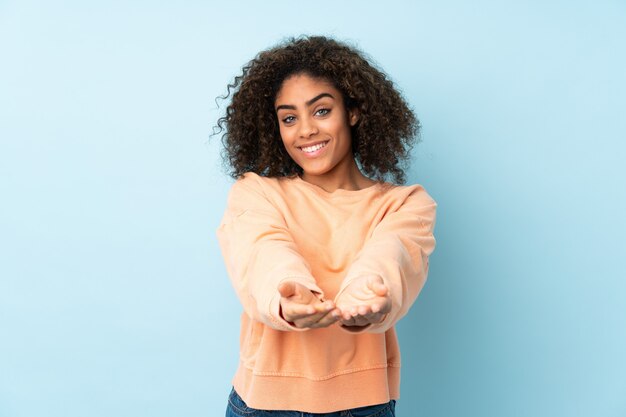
[[238, 408]]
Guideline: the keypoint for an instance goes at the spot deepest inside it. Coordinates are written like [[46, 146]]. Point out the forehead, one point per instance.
[[302, 87]]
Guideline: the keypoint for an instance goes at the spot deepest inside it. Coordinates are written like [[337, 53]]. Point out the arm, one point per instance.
[[397, 253], [260, 255]]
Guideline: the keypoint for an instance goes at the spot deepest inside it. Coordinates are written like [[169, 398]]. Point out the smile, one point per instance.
[[314, 148]]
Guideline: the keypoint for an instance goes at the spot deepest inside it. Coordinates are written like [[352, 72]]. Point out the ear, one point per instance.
[[353, 116]]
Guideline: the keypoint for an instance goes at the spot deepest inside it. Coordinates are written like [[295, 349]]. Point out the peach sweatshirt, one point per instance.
[[278, 229]]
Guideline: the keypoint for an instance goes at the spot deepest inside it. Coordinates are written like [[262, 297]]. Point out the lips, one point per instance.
[[313, 147], [313, 150]]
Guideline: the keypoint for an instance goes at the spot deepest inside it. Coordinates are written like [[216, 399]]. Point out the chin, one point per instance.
[[314, 171]]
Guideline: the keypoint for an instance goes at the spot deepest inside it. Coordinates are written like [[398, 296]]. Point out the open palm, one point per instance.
[[364, 301], [303, 309]]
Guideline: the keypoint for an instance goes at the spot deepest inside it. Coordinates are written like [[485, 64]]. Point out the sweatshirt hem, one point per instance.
[[341, 390]]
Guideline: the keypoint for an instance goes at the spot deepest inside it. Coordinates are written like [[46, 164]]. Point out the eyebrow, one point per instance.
[[308, 103]]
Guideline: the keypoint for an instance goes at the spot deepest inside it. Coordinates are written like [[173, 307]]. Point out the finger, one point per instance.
[[325, 318], [363, 319], [287, 289], [297, 311], [309, 312], [385, 305], [310, 320], [358, 310], [349, 322], [365, 316], [294, 309], [374, 318], [348, 313], [325, 306], [328, 319], [382, 306], [377, 285], [381, 290], [364, 310], [377, 318]]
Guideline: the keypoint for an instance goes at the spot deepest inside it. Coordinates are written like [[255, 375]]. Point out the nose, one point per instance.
[[308, 128]]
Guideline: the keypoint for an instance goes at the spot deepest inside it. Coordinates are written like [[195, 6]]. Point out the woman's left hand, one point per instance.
[[364, 301]]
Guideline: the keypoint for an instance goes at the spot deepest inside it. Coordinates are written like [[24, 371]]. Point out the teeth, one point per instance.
[[314, 147]]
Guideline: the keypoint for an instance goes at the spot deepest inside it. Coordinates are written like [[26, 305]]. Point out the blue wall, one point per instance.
[[113, 296]]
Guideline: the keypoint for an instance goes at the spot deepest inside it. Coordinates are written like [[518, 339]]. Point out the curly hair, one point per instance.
[[381, 140]]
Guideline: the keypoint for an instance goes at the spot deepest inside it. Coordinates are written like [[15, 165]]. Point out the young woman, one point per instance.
[[324, 254]]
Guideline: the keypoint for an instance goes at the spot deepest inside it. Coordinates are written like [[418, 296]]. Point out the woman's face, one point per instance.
[[315, 126]]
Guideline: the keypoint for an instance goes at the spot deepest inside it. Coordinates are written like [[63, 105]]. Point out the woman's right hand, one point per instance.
[[303, 309]]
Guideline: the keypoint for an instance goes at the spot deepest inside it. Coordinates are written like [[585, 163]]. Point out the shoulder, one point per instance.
[[249, 179], [251, 182], [414, 194], [252, 191], [408, 206]]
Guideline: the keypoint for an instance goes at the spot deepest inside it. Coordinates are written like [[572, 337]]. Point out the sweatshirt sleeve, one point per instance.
[[398, 252], [260, 253]]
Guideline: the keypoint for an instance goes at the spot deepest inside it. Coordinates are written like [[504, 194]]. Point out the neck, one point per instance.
[[347, 177]]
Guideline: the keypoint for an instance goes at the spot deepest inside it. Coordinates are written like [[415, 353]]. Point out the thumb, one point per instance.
[[377, 285], [287, 289]]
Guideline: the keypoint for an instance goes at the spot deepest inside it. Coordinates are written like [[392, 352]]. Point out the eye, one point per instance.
[[322, 112], [289, 119]]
